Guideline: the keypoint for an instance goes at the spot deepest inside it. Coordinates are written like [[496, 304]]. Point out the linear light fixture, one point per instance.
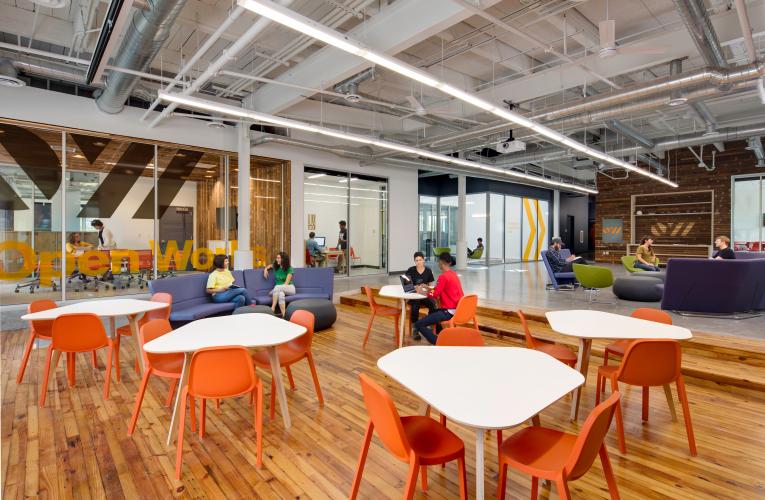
[[215, 107], [307, 26]]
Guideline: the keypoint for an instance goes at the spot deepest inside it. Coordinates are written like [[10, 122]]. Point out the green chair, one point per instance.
[[476, 254], [628, 261], [593, 278], [439, 250]]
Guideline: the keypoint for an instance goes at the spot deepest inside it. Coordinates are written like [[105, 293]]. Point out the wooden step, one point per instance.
[[727, 360]]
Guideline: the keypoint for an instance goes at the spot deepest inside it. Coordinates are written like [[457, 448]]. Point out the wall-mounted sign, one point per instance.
[[613, 230], [311, 222]]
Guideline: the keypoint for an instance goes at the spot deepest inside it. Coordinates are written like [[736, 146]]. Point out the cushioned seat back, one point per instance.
[[593, 276], [314, 280], [628, 261], [187, 289], [256, 284]]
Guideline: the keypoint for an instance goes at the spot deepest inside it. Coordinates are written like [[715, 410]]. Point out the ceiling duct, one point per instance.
[[696, 20], [754, 144], [147, 33], [350, 87], [9, 76]]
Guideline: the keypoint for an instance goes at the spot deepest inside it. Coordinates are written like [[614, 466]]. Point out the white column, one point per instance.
[[461, 222], [556, 214], [243, 254]]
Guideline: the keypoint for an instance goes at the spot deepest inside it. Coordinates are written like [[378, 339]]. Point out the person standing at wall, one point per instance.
[[645, 259], [420, 274], [105, 236], [342, 246]]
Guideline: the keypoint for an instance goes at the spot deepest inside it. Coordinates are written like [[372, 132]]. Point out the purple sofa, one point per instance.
[[749, 255], [191, 301], [714, 286]]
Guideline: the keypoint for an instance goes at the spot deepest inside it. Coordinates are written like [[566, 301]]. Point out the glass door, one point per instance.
[[428, 225], [325, 206], [367, 225], [513, 223]]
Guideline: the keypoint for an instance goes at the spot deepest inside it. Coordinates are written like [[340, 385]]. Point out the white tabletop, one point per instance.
[[104, 308], [248, 330], [397, 292], [603, 325], [482, 387]]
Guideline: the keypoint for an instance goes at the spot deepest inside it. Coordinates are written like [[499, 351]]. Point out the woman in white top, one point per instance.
[[105, 237]]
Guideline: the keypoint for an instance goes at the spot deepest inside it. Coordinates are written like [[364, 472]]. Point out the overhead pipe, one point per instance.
[[746, 29], [754, 144], [351, 85], [696, 20], [630, 133]]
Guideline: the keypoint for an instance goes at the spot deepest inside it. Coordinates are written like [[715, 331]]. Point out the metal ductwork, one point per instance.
[[694, 15], [754, 144], [362, 153], [52, 71], [148, 32], [630, 133], [351, 85], [9, 75]]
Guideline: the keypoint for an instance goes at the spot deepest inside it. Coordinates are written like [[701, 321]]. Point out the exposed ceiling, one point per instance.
[[539, 55]]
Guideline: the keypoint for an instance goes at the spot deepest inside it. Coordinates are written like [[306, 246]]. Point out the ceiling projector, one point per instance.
[[510, 146]]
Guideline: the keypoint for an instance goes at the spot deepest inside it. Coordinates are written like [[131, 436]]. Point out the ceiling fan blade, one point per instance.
[[607, 32]]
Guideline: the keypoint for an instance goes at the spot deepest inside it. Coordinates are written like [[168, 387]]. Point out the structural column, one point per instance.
[[243, 254], [461, 222], [556, 214]]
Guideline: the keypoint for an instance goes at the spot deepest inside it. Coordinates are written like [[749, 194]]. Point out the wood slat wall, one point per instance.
[[614, 195]]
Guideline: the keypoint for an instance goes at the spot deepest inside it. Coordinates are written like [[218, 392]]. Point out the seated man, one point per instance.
[[724, 251], [476, 249], [420, 274], [557, 262], [449, 292], [314, 249]]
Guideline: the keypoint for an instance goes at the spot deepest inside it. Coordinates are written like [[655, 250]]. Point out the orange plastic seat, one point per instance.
[[386, 311], [290, 353], [648, 363], [216, 373], [73, 333], [124, 331], [464, 313], [559, 352], [557, 456], [162, 365], [460, 336], [418, 440], [616, 349]]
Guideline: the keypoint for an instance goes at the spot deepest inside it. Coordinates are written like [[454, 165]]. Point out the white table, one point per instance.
[[248, 330], [110, 309], [587, 325], [482, 387], [397, 292]]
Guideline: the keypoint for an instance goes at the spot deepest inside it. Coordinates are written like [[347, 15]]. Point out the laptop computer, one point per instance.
[[406, 282]]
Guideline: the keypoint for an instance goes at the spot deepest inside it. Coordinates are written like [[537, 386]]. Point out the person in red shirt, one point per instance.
[[448, 291]]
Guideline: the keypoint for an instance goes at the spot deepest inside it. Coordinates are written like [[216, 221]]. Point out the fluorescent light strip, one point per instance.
[[203, 104], [307, 26]]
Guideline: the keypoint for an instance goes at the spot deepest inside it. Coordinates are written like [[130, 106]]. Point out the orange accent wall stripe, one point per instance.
[[542, 230], [532, 229]]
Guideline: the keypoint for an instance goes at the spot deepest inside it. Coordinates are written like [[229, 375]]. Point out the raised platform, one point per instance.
[[722, 359]]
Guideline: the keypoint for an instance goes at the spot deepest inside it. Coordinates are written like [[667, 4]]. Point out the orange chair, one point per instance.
[[162, 365], [386, 311], [616, 349], [558, 456], [419, 440], [73, 333], [215, 373], [460, 336], [464, 313], [649, 363], [124, 331], [559, 352], [290, 353]]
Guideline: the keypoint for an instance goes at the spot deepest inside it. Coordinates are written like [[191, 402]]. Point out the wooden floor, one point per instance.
[[77, 446]]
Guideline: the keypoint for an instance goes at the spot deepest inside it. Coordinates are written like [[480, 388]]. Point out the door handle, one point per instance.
[[581, 236]]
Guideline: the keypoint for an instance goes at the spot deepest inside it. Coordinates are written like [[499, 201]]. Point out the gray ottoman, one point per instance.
[[322, 309], [253, 309], [659, 275], [640, 289]]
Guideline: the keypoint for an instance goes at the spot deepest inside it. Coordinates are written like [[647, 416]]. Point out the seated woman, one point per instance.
[[283, 281], [220, 284], [645, 259], [74, 248]]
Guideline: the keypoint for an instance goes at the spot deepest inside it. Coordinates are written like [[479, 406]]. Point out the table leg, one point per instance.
[[279, 386], [133, 322], [402, 323], [112, 328], [670, 402], [582, 364], [178, 403], [479, 472]]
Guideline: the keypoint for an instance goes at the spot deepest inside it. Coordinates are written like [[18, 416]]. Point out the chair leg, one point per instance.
[[95, 360], [138, 401], [534, 487], [362, 460], [598, 388], [108, 375], [396, 319], [501, 480], [646, 390], [499, 440], [683, 397], [192, 413], [609, 472], [46, 375], [272, 402], [315, 377], [369, 329], [202, 416], [619, 418], [411, 479], [562, 486], [289, 377], [424, 476], [117, 357], [182, 425], [173, 386], [25, 358], [258, 410], [70, 373], [217, 404], [463, 477]]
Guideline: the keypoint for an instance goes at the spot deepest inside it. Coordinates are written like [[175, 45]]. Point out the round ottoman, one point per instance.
[[660, 275], [253, 309], [640, 289], [322, 309]]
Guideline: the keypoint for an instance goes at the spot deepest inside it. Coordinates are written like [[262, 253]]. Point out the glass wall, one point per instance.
[[120, 212], [447, 237], [428, 225], [513, 224], [475, 226], [348, 216], [748, 213], [496, 228]]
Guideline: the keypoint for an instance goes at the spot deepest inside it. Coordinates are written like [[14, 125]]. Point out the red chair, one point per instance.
[[290, 353], [558, 456], [73, 333], [385, 311], [464, 313], [616, 349], [215, 373], [168, 366], [124, 331], [649, 363], [559, 352], [418, 440], [308, 259]]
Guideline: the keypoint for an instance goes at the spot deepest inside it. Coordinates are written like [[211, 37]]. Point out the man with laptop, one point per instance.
[[418, 274], [448, 291], [314, 246]]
